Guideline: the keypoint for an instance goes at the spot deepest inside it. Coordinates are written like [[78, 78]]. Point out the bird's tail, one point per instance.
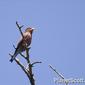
[[12, 58]]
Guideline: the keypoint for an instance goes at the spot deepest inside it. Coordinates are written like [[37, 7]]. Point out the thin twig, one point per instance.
[[14, 46], [20, 28], [22, 55], [56, 72], [35, 63]]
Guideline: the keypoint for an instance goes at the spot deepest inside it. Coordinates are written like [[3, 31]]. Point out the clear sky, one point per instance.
[[59, 39]]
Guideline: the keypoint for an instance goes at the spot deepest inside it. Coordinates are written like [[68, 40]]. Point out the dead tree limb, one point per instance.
[[21, 65], [56, 72], [28, 71], [19, 27]]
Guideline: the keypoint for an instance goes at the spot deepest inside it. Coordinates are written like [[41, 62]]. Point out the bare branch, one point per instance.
[[56, 72], [35, 63], [32, 81], [14, 46], [28, 71], [27, 54], [22, 55], [22, 66], [31, 78], [19, 27]]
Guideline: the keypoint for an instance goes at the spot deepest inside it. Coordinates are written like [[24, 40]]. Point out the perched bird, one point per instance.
[[23, 43]]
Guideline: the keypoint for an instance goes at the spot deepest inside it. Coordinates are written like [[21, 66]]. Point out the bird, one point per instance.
[[23, 43]]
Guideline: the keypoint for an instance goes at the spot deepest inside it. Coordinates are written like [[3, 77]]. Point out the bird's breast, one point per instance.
[[27, 39]]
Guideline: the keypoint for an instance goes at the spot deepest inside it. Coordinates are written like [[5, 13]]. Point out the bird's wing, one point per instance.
[[21, 46], [18, 46]]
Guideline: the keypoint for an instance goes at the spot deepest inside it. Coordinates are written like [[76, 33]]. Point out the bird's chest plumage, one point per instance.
[[27, 38], [25, 42]]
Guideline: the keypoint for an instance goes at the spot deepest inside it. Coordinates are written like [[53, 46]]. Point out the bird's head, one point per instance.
[[29, 29]]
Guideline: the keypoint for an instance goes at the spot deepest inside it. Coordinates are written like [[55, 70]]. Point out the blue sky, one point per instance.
[[59, 39]]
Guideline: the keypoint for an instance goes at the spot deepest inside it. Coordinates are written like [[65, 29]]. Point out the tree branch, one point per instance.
[[56, 72], [22, 66], [28, 71], [35, 63], [27, 55], [19, 27]]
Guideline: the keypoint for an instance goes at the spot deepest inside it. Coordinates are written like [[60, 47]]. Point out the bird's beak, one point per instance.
[[34, 29]]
